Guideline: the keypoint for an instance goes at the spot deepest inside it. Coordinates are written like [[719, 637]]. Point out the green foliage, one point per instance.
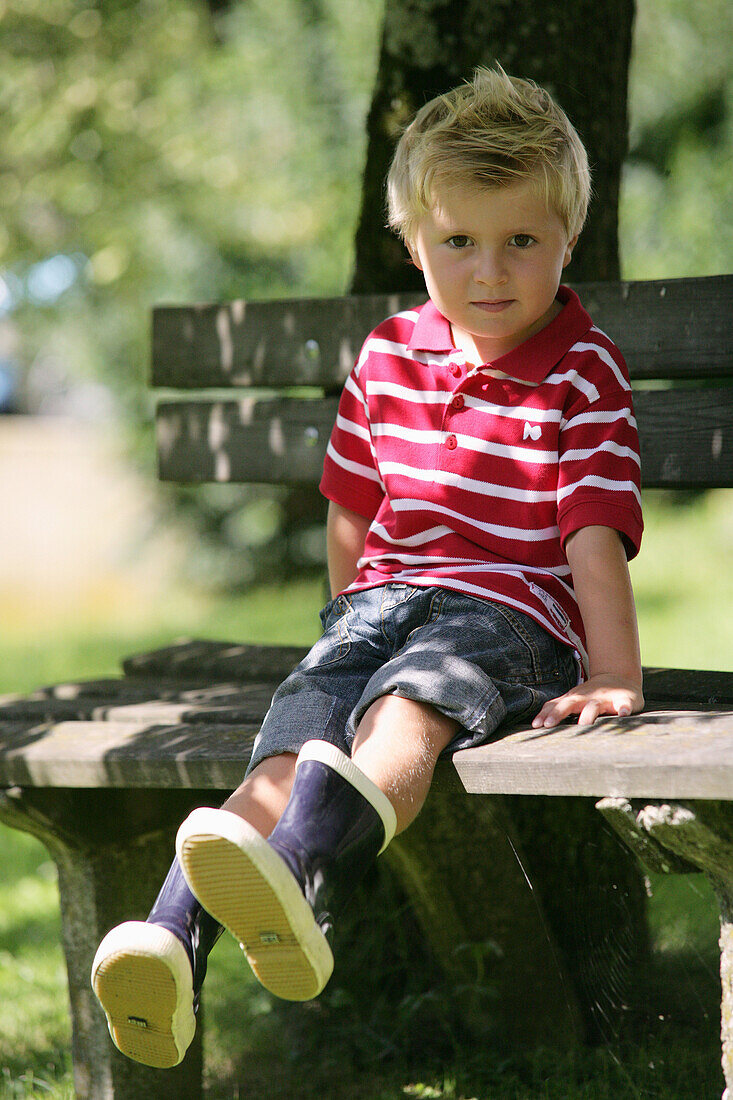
[[165, 155], [678, 186], [167, 162], [151, 152]]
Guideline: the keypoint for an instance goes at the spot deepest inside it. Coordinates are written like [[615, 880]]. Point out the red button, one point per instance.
[[455, 371], [458, 401], [451, 442]]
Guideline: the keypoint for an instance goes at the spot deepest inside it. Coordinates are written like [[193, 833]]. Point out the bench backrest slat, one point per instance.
[[676, 334], [282, 440], [686, 439], [674, 329], [299, 342]]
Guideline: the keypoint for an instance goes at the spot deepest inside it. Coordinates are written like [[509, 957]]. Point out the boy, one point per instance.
[[483, 480]]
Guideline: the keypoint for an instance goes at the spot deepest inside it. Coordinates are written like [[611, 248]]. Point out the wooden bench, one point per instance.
[[104, 771]]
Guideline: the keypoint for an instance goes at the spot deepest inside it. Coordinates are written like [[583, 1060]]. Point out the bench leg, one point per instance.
[[535, 912], [458, 865], [100, 887], [683, 838]]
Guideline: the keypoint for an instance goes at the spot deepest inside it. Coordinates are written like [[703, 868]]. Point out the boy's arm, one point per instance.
[[345, 537], [602, 584]]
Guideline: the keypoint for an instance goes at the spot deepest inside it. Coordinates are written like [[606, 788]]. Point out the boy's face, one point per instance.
[[492, 261]]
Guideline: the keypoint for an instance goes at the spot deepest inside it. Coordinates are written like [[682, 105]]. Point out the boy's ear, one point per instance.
[[569, 250], [414, 255]]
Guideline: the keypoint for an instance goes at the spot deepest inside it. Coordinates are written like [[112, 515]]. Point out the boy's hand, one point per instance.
[[598, 695]]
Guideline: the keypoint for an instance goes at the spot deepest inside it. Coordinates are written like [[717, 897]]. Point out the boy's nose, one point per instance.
[[490, 271]]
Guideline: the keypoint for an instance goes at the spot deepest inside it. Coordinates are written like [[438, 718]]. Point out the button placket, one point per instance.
[[455, 403]]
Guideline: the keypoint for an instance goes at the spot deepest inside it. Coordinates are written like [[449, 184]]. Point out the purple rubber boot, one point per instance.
[[147, 975], [278, 896]]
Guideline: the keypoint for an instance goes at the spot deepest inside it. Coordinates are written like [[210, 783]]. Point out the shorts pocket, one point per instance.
[[335, 642], [334, 610], [535, 657], [438, 598]]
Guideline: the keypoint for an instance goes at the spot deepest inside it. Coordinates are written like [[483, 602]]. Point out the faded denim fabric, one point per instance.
[[482, 663]]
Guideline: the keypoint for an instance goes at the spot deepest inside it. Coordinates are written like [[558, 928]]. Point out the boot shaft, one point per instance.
[[177, 909], [334, 826]]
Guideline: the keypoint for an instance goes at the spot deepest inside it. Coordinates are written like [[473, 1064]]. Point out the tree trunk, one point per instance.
[[579, 52]]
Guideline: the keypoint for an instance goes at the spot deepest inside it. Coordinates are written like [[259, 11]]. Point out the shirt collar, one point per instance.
[[531, 361], [432, 330]]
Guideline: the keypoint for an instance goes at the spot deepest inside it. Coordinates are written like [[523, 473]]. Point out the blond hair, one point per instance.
[[491, 131]]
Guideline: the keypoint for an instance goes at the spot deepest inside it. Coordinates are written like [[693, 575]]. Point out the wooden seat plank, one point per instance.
[[656, 754], [671, 753], [211, 662], [125, 754], [248, 708]]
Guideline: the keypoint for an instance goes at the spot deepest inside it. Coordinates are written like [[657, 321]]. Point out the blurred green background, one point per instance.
[[151, 152]]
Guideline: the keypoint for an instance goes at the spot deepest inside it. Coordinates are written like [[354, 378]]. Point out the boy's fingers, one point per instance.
[[550, 715], [588, 710], [589, 713]]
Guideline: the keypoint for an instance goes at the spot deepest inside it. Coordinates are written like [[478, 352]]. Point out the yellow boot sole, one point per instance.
[[142, 978], [248, 888]]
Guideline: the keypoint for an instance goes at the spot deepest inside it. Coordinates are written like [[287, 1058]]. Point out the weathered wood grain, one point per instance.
[[272, 441], [236, 706], [210, 662], [698, 688], [125, 754], [685, 436], [665, 754], [659, 754], [674, 328]]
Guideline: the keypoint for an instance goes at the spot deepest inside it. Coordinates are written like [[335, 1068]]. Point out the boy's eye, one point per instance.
[[522, 240], [459, 241]]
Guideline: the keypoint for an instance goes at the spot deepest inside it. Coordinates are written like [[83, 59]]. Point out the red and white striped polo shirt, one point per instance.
[[473, 478]]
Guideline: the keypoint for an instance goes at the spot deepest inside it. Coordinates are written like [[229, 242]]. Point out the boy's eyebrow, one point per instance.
[[444, 218], [530, 228]]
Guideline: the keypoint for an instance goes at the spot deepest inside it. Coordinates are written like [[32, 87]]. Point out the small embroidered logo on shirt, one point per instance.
[[558, 613], [532, 431]]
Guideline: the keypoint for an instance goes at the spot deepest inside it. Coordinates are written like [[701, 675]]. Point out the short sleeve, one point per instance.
[[599, 479], [350, 472]]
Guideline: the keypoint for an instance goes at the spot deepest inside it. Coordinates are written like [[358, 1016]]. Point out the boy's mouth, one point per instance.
[[493, 305]]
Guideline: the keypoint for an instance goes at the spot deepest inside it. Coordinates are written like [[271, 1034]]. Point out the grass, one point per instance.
[[684, 582], [34, 1026], [664, 1044]]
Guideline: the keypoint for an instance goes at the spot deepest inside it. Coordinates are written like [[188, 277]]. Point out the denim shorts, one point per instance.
[[481, 663]]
